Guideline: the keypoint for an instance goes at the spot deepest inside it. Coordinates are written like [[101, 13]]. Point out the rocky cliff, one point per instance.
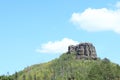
[[83, 51]]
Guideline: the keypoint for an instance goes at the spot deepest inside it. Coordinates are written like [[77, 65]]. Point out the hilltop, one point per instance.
[[79, 63]]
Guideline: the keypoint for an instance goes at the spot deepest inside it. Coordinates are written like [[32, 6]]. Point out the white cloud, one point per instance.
[[102, 19], [56, 46]]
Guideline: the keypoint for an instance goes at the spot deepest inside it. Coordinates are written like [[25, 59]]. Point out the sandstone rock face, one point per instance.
[[83, 50]]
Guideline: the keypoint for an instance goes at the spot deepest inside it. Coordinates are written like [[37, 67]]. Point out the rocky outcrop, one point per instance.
[[83, 50]]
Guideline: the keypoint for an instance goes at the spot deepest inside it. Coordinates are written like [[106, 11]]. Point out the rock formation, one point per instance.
[[83, 51]]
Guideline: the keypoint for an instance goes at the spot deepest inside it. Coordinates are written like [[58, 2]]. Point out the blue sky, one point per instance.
[[37, 31]]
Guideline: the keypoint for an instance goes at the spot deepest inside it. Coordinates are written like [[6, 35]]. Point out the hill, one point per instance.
[[68, 67]]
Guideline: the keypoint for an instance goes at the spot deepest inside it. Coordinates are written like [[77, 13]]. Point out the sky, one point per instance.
[[38, 31]]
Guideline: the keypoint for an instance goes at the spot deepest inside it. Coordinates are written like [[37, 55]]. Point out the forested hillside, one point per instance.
[[67, 67]]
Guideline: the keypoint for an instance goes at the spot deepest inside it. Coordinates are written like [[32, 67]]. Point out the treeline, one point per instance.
[[69, 68], [4, 77], [16, 77]]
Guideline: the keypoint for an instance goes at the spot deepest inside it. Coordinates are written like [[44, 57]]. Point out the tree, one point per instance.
[[24, 77], [29, 77], [34, 76], [16, 76]]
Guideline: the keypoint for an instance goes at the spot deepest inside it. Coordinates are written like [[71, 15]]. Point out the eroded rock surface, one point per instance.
[[83, 50]]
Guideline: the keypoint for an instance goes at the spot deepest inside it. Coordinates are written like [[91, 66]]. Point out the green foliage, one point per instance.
[[69, 68], [4, 77]]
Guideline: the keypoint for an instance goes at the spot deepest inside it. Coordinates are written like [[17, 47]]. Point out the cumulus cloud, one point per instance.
[[56, 46], [102, 19]]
